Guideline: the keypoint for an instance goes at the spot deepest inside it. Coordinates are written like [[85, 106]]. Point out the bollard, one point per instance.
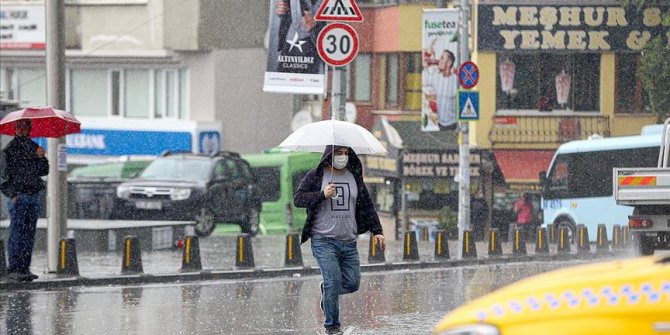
[[519, 241], [553, 237], [469, 247], [411, 250], [495, 247], [602, 244], [132, 256], [616, 238], [190, 261], [563, 240], [541, 242], [625, 237], [67, 259], [583, 246], [425, 234], [3, 261], [441, 245], [293, 254], [245, 254], [375, 252]]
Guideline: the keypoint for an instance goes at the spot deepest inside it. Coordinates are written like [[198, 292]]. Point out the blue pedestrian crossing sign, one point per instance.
[[468, 105]]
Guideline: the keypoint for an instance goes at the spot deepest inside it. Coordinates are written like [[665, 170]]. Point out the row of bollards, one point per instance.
[[244, 257]]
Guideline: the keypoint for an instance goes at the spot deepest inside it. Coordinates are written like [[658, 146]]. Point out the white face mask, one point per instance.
[[340, 162]]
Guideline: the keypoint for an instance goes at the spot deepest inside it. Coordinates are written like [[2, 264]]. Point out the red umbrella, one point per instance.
[[45, 121]]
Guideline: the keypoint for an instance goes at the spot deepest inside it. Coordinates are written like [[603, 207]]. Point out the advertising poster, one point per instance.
[[439, 73], [294, 65], [22, 26]]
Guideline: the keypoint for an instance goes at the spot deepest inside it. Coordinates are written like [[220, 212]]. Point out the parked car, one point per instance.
[[92, 188], [207, 189], [630, 296]]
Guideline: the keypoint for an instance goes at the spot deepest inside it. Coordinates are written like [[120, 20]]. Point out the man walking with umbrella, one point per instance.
[[21, 183], [339, 208]]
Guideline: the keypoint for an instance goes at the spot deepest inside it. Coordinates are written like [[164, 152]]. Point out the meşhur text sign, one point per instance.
[[570, 27]]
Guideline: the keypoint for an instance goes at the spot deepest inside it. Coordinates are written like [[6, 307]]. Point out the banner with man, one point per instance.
[[294, 65], [440, 69]]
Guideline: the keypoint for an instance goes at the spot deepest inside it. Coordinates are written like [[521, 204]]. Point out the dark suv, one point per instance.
[[194, 187]]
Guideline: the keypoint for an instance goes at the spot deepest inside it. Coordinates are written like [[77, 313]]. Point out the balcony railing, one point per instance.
[[519, 129]]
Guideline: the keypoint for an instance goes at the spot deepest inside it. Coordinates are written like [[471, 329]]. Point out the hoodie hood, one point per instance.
[[354, 165]]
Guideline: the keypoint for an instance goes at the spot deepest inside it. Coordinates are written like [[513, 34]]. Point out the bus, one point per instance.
[[577, 188], [279, 173]]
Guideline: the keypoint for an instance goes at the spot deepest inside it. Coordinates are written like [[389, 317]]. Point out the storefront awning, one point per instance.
[[521, 168]]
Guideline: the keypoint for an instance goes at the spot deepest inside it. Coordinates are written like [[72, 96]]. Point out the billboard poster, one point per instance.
[[22, 26], [439, 73], [294, 65]]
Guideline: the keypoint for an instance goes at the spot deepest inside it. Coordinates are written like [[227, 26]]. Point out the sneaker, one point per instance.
[[335, 331], [16, 277], [321, 300]]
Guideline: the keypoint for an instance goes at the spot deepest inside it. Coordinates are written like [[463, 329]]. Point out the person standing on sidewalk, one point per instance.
[[24, 164], [339, 208], [524, 215]]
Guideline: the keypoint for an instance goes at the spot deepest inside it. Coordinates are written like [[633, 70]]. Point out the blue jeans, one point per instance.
[[340, 268], [22, 227]]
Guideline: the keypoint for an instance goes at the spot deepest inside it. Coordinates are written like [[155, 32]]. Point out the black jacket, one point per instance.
[[22, 168], [310, 196]]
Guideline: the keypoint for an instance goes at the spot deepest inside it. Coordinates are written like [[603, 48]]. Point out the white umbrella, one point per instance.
[[314, 137]]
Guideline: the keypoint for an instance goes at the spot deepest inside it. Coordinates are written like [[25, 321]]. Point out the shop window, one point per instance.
[[136, 93], [630, 95], [543, 81], [88, 92]]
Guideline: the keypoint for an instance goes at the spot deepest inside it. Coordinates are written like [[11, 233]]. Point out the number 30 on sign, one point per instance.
[[337, 44]]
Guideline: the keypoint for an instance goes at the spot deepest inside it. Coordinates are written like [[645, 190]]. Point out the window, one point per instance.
[[88, 92], [361, 78], [528, 77], [630, 95], [167, 94], [268, 182], [31, 87], [115, 84], [413, 81], [392, 74], [136, 94], [589, 174]]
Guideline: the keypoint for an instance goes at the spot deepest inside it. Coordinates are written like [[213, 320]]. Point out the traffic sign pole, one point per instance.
[[464, 147]]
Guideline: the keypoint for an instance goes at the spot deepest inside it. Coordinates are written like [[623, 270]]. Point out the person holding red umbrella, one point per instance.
[[24, 164]]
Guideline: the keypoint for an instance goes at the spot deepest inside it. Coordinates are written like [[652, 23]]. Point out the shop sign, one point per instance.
[[436, 164], [573, 27]]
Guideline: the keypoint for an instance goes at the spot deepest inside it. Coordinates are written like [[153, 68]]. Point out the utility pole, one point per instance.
[[56, 181], [339, 94], [464, 146]]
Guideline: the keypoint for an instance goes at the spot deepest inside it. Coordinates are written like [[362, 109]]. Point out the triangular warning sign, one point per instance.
[[339, 10], [468, 110]]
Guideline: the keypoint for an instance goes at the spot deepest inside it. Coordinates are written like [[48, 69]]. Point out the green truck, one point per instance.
[[279, 173]]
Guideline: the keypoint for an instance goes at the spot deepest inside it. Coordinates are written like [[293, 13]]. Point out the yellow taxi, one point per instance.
[[629, 296]]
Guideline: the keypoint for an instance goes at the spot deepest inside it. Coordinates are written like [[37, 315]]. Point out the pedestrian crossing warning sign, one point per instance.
[[339, 10], [468, 105]]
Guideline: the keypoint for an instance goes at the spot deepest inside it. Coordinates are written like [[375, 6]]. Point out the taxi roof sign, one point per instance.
[[339, 10]]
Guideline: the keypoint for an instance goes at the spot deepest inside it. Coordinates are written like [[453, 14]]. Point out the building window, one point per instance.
[[630, 95], [361, 78], [167, 94], [392, 75], [29, 86], [413, 81], [547, 82], [88, 92], [136, 94]]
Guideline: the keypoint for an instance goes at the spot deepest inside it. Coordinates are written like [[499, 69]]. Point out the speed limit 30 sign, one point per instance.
[[337, 44]]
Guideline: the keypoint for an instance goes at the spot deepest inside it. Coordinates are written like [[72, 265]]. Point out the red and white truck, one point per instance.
[[647, 190]]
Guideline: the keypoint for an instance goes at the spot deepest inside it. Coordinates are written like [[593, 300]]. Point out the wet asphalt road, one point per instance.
[[396, 302]]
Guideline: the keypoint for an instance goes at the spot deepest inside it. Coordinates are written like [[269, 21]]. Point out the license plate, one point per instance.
[[148, 205]]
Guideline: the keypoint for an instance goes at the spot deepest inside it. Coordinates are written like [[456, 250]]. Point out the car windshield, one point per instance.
[[177, 169]]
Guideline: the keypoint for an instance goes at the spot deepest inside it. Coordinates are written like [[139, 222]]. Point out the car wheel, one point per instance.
[[564, 222], [251, 224], [204, 222]]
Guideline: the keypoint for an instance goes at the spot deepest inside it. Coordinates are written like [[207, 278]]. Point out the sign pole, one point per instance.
[[464, 147]]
